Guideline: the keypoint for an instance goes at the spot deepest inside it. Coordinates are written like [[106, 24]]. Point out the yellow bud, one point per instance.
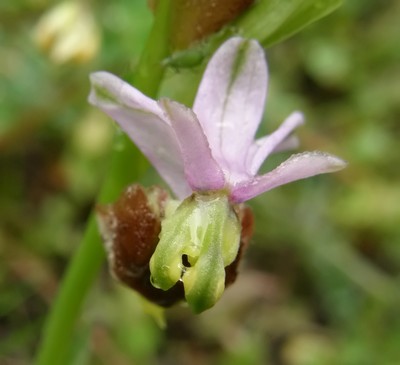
[[68, 32]]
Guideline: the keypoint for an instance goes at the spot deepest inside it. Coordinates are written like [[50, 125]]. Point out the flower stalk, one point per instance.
[[85, 265]]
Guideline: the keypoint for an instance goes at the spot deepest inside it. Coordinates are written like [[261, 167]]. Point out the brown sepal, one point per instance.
[[130, 229]]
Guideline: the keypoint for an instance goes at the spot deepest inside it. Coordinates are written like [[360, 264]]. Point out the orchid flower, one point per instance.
[[209, 157]]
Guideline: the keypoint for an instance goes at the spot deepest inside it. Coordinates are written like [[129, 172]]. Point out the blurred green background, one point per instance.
[[320, 282]]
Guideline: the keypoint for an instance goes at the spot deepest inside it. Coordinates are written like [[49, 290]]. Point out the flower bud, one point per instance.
[[197, 242], [195, 20], [68, 32]]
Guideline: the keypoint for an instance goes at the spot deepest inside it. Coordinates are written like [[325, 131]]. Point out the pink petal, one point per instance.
[[142, 119], [263, 147], [295, 168], [202, 172], [230, 101], [290, 143]]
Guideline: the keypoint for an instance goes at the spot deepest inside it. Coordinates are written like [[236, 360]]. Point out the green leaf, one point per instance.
[[271, 21]]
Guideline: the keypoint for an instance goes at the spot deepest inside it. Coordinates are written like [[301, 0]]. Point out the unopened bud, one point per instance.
[[193, 21], [68, 32]]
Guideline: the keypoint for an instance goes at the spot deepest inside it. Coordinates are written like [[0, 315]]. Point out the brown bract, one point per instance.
[[130, 229], [193, 20]]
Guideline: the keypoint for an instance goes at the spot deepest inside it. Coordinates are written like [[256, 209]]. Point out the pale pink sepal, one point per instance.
[[142, 119], [299, 166], [230, 101]]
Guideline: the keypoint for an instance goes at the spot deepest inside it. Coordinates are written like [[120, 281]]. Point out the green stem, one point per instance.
[[86, 263]]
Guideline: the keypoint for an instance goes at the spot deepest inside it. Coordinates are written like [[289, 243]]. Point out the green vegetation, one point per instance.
[[320, 281]]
